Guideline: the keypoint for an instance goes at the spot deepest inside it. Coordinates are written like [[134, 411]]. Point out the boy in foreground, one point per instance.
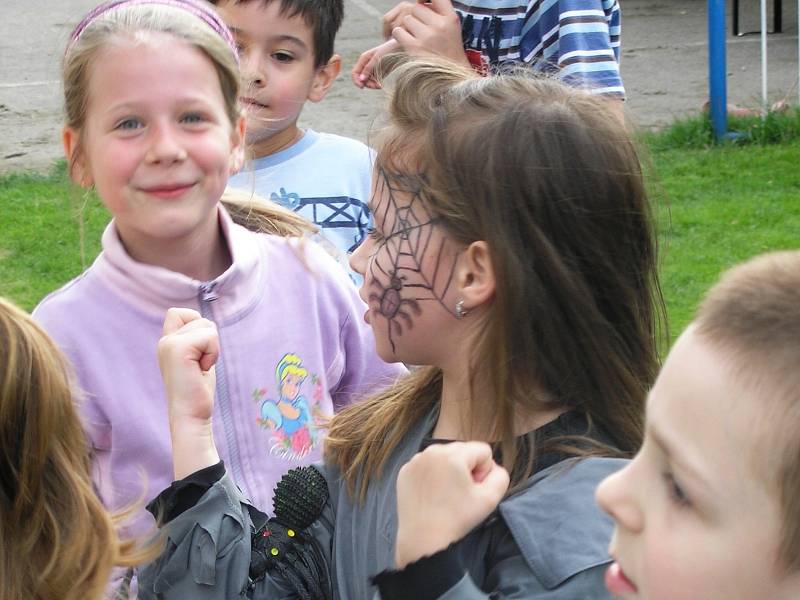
[[710, 506]]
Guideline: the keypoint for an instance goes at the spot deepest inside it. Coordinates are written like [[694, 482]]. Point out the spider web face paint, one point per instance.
[[413, 261]]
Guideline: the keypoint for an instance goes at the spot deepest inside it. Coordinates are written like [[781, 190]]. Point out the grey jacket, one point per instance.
[[548, 540]]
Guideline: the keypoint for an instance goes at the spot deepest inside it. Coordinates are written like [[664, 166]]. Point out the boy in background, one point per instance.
[[286, 54], [710, 506]]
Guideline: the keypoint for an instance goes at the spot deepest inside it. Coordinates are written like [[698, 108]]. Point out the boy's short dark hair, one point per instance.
[[324, 17]]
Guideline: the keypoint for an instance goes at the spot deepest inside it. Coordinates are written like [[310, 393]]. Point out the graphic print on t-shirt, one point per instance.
[[349, 216]]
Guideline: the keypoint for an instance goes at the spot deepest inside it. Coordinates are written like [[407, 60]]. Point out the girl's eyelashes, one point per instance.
[[373, 233], [192, 117], [676, 493], [128, 124]]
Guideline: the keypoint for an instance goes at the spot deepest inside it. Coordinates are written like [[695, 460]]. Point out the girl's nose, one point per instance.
[[617, 496], [165, 146], [358, 258]]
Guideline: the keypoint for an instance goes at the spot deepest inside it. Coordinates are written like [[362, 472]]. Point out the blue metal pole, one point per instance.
[[717, 74]]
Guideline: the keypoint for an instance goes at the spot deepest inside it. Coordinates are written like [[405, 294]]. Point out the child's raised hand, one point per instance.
[[418, 28], [187, 352], [394, 17], [442, 494], [364, 69], [427, 28]]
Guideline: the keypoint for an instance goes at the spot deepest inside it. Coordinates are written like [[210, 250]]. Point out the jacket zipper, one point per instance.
[[206, 297]]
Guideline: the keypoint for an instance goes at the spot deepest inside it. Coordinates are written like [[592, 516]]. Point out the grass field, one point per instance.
[[721, 206], [42, 222], [716, 206]]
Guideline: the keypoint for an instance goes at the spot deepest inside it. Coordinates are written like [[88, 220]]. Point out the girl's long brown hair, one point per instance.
[[56, 539], [549, 177]]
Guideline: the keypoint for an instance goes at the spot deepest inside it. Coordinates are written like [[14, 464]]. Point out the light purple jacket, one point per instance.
[[295, 348]]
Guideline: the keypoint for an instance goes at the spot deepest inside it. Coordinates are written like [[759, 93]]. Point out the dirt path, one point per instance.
[[664, 67]]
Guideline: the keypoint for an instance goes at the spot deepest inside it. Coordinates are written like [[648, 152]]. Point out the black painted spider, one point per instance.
[[391, 303]]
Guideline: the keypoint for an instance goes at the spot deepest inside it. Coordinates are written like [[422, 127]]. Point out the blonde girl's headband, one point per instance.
[[199, 9]]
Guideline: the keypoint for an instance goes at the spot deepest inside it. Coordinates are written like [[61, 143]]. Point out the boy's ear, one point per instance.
[[76, 163], [476, 277], [238, 137], [324, 78]]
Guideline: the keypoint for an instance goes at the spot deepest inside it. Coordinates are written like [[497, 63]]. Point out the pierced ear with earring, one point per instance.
[[461, 312], [474, 277]]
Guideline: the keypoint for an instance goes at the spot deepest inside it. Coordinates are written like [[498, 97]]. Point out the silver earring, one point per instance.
[[460, 312]]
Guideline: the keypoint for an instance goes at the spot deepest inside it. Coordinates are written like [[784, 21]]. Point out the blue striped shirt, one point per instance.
[[578, 40]]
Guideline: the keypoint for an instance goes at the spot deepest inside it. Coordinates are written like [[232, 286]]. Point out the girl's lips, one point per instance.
[[617, 583], [169, 192]]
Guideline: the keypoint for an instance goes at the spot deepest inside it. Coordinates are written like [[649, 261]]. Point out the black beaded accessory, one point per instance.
[[299, 498], [283, 548]]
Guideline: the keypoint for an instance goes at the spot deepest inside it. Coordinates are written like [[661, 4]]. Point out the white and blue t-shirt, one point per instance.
[[578, 40], [326, 178]]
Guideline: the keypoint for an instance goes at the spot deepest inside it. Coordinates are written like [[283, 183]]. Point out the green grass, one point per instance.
[[718, 205], [41, 222], [696, 133], [722, 206]]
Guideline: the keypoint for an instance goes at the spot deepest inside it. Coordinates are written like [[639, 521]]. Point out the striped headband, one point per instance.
[[199, 9]]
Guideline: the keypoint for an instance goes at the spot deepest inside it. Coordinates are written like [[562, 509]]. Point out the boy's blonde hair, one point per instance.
[[58, 542], [753, 317]]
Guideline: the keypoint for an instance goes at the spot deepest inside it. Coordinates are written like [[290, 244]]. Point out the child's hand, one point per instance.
[[187, 352], [427, 28], [363, 71], [394, 17], [419, 29], [442, 494]]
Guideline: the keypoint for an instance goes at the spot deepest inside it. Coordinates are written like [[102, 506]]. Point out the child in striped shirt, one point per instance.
[[576, 40]]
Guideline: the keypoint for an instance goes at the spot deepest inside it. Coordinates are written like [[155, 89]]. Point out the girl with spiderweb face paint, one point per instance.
[[408, 263], [512, 259]]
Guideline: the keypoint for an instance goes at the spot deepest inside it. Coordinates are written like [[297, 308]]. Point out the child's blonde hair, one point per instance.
[[548, 177], [264, 216], [753, 317], [58, 542]]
